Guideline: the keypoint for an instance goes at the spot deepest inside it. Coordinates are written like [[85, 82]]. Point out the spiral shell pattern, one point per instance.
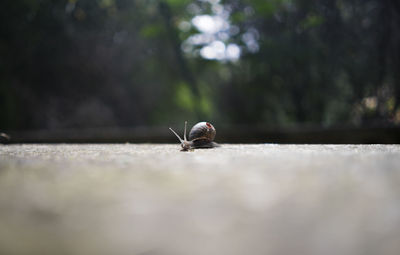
[[202, 130]]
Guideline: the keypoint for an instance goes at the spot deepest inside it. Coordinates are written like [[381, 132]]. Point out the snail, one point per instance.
[[201, 136], [4, 138]]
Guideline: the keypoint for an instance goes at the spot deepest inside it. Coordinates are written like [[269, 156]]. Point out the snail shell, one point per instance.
[[200, 136]]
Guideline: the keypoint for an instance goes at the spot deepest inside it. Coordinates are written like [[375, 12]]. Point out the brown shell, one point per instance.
[[202, 131]]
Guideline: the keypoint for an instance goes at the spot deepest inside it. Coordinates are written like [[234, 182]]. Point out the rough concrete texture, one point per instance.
[[237, 199]]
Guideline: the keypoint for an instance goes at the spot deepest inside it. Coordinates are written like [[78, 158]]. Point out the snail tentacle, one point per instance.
[[184, 132], [180, 139]]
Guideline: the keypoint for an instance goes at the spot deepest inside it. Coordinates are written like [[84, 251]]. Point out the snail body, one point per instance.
[[201, 136]]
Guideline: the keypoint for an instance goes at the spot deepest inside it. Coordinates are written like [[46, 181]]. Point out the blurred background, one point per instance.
[[260, 71]]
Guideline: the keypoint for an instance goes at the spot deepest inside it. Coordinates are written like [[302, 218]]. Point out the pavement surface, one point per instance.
[[238, 199]]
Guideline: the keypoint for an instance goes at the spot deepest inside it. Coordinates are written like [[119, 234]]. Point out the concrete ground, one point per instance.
[[238, 199]]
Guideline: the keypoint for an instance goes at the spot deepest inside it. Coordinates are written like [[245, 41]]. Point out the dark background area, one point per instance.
[[298, 71]]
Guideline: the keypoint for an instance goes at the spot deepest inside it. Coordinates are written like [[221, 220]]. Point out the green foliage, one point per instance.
[[184, 97], [120, 63], [311, 21], [151, 30]]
